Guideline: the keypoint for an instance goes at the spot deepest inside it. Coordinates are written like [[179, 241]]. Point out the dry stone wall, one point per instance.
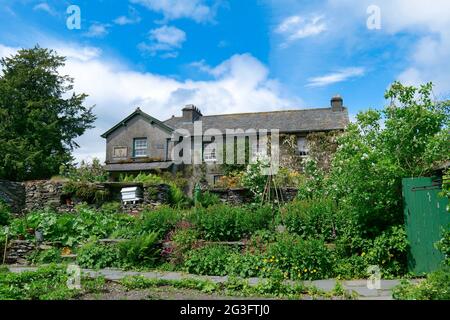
[[44, 194], [37, 195], [13, 194]]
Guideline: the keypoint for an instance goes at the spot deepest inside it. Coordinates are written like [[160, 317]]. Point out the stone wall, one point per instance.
[[36, 195], [18, 250], [44, 194], [13, 193], [241, 196]]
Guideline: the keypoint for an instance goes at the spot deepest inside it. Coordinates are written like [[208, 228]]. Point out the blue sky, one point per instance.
[[233, 56]]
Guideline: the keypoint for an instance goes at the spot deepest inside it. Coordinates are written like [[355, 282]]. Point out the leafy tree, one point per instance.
[[408, 138], [40, 115], [85, 171]]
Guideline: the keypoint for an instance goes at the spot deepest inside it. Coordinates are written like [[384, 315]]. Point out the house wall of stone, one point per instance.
[[158, 141], [13, 194]]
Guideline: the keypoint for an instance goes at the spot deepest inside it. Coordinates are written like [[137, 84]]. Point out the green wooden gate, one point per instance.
[[425, 217]]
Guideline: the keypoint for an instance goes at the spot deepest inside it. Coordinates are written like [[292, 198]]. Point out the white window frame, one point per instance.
[[142, 148], [302, 147], [210, 153]]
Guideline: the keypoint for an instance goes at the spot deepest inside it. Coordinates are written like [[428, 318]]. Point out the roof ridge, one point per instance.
[[257, 112], [263, 112]]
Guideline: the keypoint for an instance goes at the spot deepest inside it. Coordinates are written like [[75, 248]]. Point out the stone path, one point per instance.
[[358, 286]]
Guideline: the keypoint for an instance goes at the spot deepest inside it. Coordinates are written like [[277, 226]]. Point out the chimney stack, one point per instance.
[[191, 113], [337, 103]]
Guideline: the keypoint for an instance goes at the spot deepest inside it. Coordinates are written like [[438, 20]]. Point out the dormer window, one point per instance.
[[140, 147]]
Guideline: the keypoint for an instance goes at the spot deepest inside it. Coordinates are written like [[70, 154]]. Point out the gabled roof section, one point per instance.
[[138, 112]]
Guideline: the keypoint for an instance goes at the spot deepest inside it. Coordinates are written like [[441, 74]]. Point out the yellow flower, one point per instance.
[[314, 270], [306, 270], [363, 254]]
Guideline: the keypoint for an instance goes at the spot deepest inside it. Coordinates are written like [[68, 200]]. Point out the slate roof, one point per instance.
[[289, 121]]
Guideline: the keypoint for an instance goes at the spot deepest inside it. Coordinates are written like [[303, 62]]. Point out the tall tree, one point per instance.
[[40, 115]]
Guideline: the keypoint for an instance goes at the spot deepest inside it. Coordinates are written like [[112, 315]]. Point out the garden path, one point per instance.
[[358, 286]]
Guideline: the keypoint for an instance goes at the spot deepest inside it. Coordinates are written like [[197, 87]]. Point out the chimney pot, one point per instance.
[[337, 103], [191, 113]]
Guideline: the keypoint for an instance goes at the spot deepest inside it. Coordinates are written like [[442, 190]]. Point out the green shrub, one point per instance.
[[435, 287], [353, 267], [207, 199], [47, 283], [298, 258], [405, 139], [444, 246], [388, 251], [179, 243], [161, 220], [98, 256], [142, 178], [111, 208], [45, 256], [85, 191], [70, 228], [210, 260], [177, 197], [259, 241], [310, 218], [245, 265], [225, 223], [141, 251]]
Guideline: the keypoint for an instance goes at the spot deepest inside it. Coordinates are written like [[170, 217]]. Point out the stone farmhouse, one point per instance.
[[142, 143]]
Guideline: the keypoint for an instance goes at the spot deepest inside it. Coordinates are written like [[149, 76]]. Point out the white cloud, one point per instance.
[[97, 30], [44, 6], [196, 10], [124, 20], [241, 83], [7, 51], [171, 36], [297, 27], [335, 77], [428, 59], [165, 39], [132, 18]]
